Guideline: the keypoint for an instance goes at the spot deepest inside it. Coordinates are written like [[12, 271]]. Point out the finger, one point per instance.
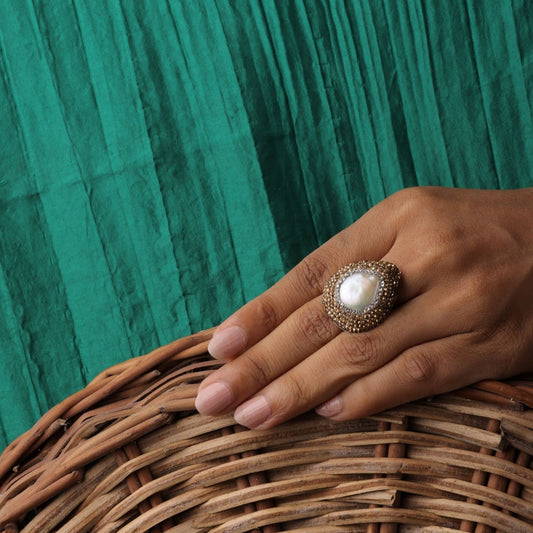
[[368, 238], [425, 370], [302, 333], [330, 369]]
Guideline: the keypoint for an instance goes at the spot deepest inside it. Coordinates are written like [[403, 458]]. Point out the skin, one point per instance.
[[464, 313]]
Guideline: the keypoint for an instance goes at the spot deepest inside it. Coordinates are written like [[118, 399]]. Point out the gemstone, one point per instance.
[[360, 295], [358, 290]]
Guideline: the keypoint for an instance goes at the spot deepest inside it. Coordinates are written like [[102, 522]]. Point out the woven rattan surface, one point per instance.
[[128, 453]]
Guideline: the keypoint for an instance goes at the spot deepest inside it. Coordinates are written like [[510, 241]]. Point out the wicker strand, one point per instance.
[[129, 454]]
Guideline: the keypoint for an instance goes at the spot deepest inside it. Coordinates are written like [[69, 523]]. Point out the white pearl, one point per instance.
[[357, 291]]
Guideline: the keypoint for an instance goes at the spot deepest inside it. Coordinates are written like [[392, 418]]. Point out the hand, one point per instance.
[[464, 313]]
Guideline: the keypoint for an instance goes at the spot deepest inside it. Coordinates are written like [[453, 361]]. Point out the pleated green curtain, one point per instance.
[[162, 162]]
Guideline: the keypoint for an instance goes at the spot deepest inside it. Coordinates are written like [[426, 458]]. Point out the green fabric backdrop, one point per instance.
[[162, 162]]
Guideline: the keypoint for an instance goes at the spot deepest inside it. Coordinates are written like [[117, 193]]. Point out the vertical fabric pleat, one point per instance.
[[163, 162]]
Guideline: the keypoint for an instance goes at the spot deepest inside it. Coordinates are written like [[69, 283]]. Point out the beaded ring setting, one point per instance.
[[359, 296]]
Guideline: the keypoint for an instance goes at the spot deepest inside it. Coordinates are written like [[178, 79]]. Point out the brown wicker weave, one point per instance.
[[128, 453]]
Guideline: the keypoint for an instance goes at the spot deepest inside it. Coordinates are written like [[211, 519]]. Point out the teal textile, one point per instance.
[[162, 162]]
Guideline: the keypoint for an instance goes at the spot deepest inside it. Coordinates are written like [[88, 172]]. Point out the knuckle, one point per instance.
[[298, 391], [417, 367], [266, 312], [419, 196], [257, 372], [312, 272], [360, 351], [477, 313], [416, 203], [316, 327], [506, 342]]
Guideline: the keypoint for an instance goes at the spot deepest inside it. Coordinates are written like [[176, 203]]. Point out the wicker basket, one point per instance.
[[128, 453]]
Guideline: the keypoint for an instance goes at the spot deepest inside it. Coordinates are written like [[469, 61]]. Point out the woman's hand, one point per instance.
[[464, 313]]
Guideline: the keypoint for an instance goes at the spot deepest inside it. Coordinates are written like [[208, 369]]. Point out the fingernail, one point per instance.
[[214, 399], [330, 408], [253, 413], [227, 342]]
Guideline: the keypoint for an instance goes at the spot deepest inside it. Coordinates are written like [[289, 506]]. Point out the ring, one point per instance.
[[359, 296]]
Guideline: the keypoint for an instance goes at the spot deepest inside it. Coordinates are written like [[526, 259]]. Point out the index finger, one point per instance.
[[370, 237]]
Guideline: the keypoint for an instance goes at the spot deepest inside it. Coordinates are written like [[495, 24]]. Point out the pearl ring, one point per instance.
[[359, 296]]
